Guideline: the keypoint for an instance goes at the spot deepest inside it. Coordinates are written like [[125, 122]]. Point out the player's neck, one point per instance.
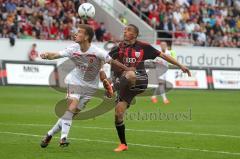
[[85, 46], [131, 42]]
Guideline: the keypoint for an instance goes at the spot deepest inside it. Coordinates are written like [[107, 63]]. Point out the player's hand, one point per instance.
[[44, 55], [186, 70], [108, 88]]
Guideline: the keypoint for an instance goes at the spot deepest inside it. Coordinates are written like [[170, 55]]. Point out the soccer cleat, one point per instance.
[[121, 147], [46, 140], [154, 99], [63, 142], [108, 88], [166, 101]]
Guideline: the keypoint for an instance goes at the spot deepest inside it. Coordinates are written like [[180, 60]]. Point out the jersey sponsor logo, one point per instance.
[[133, 59], [86, 68], [83, 55], [130, 60]]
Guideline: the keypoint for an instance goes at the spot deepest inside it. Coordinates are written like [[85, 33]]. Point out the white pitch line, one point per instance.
[[136, 130], [133, 144], [171, 132]]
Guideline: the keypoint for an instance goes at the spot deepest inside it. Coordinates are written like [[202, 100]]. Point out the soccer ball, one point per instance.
[[86, 10]]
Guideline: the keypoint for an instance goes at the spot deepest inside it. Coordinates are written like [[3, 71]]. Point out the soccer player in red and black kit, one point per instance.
[[132, 53]]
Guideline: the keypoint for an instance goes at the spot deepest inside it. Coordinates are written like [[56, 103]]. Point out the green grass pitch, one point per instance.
[[211, 131]]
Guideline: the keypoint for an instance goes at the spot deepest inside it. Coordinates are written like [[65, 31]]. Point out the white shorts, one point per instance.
[[161, 71], [162, 77], [82, 93]]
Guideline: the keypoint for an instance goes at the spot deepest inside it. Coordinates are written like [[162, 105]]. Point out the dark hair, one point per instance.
[[88, 30], [135, 28]]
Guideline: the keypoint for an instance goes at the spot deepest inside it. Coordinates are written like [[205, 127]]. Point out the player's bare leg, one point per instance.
[[126, 81], [120, 109], [160, 90]]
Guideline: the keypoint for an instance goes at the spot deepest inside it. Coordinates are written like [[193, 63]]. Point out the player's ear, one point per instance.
[[136, 35], [86, 38]]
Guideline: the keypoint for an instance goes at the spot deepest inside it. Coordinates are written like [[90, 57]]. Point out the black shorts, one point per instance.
[[130, 93]]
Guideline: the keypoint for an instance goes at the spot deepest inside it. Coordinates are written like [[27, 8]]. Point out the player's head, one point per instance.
[[169, 43], [85, 34], [34, 45], [163, 46], [131, 32]]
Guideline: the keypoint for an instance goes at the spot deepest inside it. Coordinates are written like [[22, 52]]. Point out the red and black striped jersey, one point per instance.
[[134, 55]]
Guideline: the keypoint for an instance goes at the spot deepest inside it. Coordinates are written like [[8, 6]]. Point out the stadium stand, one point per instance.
[[198, 22], [201, 22], [47, 20]]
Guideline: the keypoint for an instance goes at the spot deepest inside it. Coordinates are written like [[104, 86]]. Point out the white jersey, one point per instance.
[[161, 66], [88, 65], [161, 61]]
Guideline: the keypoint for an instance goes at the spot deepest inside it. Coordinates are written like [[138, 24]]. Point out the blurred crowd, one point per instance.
[[203, 22], [44, 19]]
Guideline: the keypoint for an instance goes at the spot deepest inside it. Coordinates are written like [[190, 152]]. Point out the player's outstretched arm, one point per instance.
[[119, 67], [175, 62], [50, 55]]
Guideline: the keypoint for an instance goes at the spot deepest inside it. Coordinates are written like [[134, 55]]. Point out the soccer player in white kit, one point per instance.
[[161, 69], [82, 81]]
